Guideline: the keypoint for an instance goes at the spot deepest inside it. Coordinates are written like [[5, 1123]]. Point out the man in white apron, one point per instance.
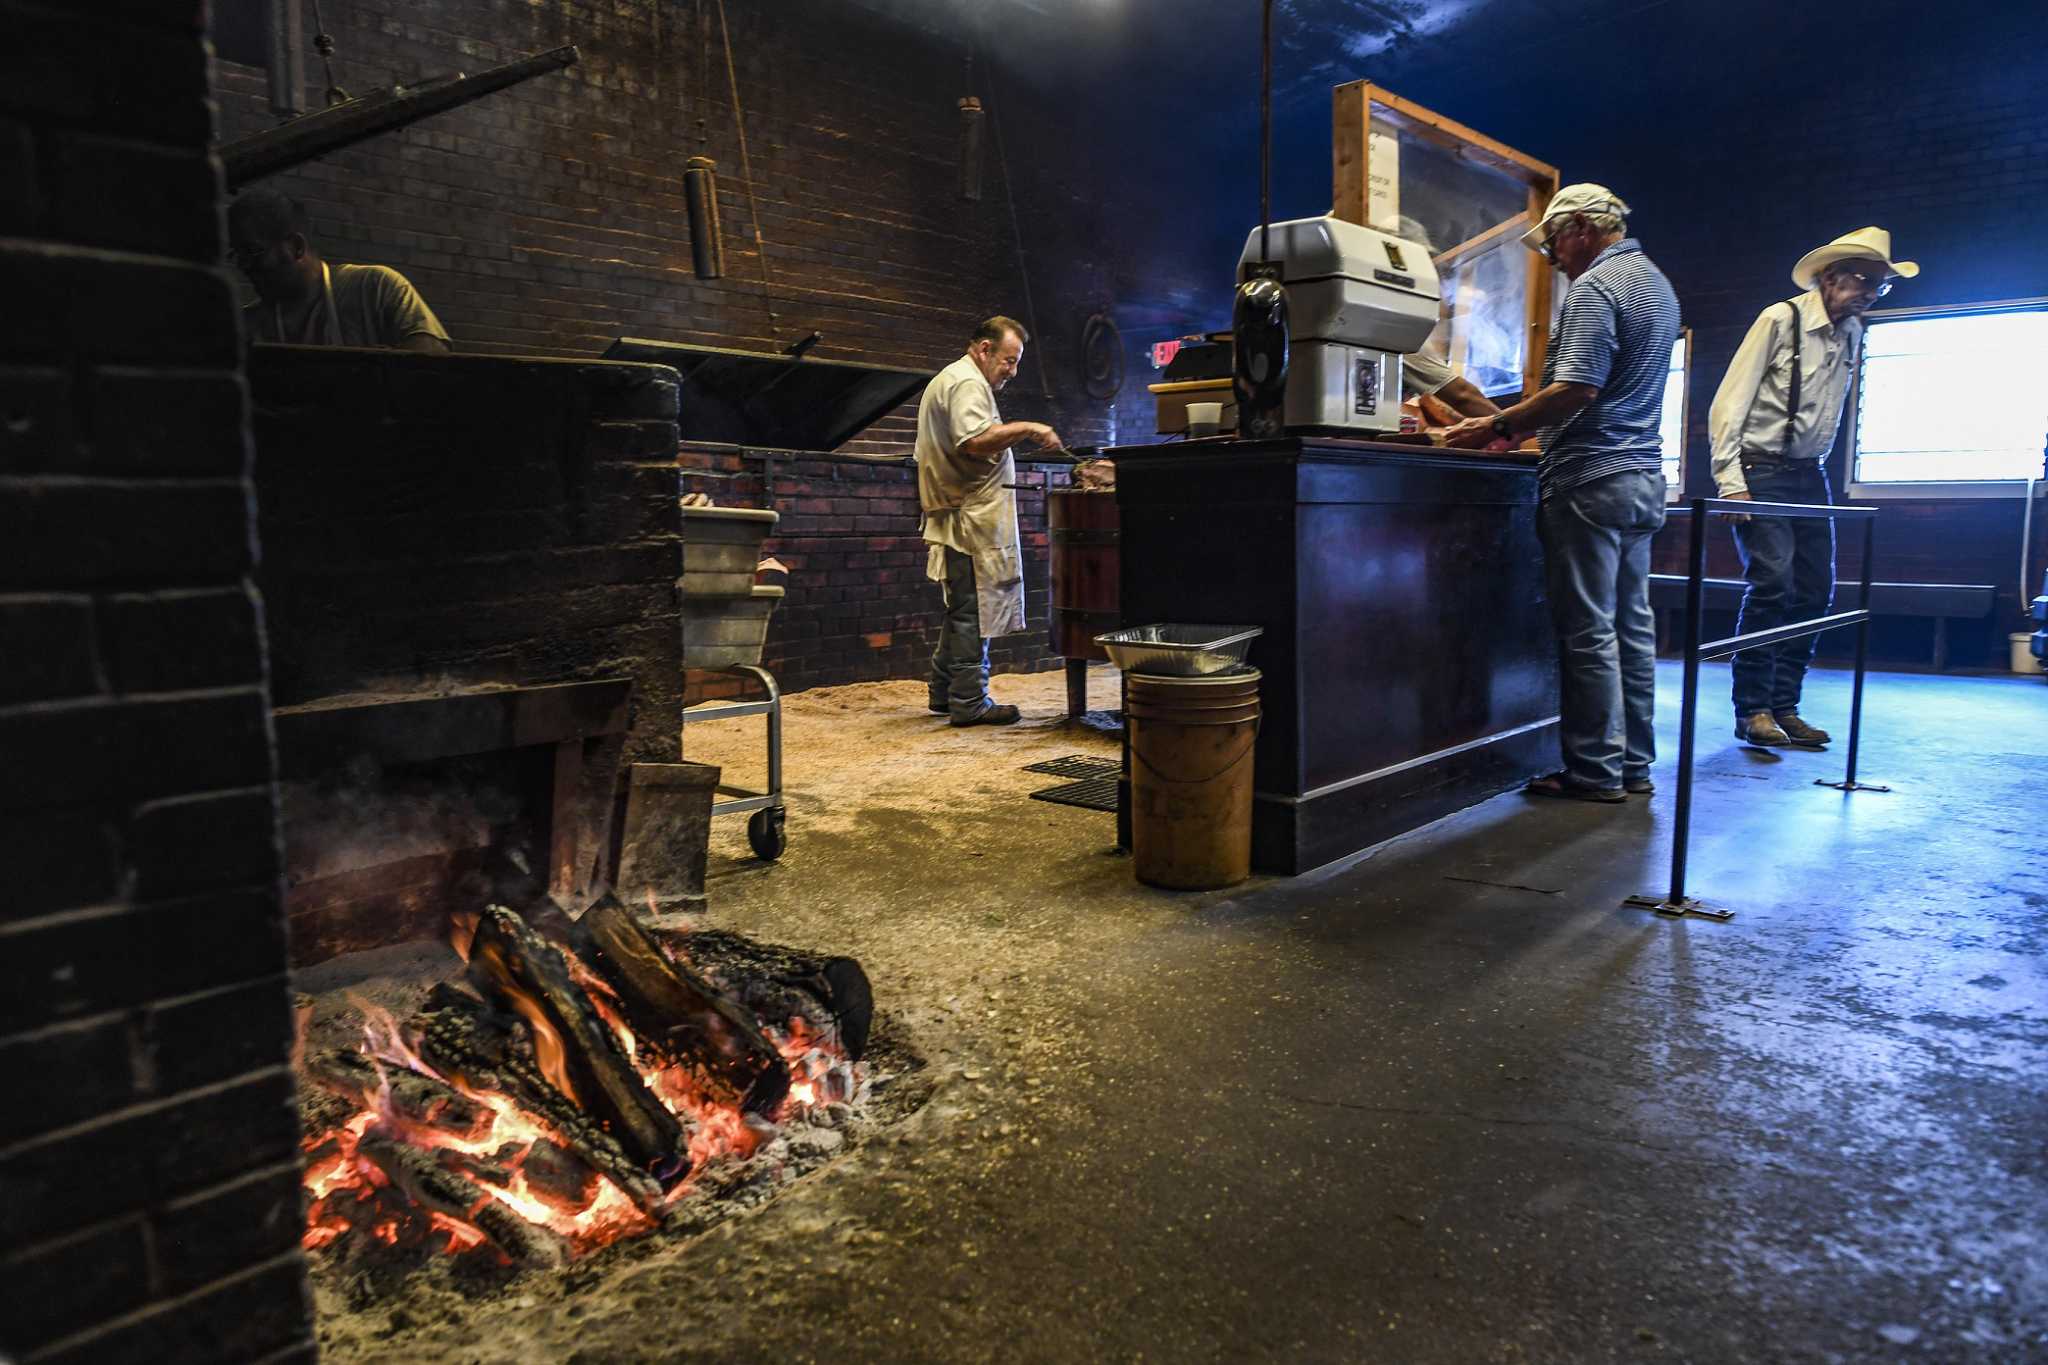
[[303, 300], [970, 518]]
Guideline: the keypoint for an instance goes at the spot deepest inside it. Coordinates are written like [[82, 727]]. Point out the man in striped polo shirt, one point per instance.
[[1601, 486]]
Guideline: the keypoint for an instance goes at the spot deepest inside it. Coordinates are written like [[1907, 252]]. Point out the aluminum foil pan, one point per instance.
[[1178, 651]]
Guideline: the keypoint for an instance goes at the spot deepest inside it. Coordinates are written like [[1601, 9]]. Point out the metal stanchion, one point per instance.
[[1849, 782], [1677, 904]]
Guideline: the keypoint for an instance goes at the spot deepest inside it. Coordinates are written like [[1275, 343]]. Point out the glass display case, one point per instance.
[[1407, 170]]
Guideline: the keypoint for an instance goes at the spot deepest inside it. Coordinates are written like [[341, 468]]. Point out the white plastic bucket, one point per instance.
[[2023, 660]]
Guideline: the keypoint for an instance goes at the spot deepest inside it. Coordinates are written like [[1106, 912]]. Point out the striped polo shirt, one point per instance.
[[1615, 333]]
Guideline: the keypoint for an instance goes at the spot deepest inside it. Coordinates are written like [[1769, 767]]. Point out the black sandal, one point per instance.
[[1559, 785]]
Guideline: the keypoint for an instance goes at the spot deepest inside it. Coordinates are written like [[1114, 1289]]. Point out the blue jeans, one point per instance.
[[959, 677], [1596, 572], [1790, 565]]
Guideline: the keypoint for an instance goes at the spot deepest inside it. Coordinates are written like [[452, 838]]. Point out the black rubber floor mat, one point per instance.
[[1075, 765], [1093, 793]]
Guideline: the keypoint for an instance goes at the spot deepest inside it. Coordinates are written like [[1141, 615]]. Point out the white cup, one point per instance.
[[1204, 419]]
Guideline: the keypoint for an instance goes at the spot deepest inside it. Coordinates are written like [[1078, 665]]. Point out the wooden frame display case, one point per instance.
[[1677, 417], [1406, 169]]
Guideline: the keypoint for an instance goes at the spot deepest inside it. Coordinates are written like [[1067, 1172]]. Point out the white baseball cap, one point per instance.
[[1584, 197]]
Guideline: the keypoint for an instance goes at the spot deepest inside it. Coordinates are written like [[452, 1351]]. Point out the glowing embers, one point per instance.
[[572, 1100]]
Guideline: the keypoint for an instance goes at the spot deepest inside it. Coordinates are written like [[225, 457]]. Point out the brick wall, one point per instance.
[[1937, 132], [859, 607], [549, 219], [433, 523], [149, 1181]]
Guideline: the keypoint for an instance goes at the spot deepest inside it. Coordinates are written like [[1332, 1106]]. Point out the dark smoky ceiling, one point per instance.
[[1168, 89], [1163, 94]]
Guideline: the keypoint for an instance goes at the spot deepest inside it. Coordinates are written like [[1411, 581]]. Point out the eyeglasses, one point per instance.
[[246, 256], [1547, 248], [1872, 281]]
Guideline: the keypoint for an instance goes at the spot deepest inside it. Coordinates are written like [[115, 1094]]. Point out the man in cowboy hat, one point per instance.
[[1772, 426], [1600, 484]]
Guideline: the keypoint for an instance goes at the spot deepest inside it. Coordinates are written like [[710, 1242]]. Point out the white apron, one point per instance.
[[966, 505], [984, 528]]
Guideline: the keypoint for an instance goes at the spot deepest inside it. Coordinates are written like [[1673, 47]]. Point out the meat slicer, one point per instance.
[[1357, 300]]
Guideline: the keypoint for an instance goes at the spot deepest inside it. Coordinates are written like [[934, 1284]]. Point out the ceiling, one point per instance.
[[1166, 91]]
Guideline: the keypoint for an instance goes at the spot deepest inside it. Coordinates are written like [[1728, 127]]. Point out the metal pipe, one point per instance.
[[345, 124], [1777, 509], [1695, 597], [1862, 655], [970, 148], [1265, 129], [1756, 639], [700, 200], [288, 59]]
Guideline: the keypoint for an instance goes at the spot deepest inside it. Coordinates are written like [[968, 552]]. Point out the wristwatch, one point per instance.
[[1501, 427]]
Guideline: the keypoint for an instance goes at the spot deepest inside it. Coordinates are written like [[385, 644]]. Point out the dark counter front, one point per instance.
[[1410, 670]]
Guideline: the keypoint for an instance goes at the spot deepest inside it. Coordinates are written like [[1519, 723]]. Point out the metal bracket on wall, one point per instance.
[[1680, 909]]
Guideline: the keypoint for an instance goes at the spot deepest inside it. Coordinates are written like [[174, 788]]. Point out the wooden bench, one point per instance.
[[1944, 602]]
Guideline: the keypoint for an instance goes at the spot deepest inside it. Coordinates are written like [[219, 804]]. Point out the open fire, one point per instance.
[[594, 1075]]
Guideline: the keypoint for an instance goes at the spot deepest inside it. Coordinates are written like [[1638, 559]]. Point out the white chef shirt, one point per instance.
[[966, 507], [1748, 415]]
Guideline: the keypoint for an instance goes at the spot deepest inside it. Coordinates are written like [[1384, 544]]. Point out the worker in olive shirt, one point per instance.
[[303, 300], [970, 518], [1600, 487], [1772, 426]]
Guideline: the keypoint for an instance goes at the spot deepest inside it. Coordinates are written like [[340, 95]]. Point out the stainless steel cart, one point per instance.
[[764, 810]]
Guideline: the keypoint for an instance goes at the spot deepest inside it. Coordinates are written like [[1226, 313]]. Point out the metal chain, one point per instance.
[[703, 79], [739, 120], [995, 132], [323, 43]]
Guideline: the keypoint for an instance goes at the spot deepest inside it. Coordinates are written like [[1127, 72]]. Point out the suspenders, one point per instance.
[[1792, 394]]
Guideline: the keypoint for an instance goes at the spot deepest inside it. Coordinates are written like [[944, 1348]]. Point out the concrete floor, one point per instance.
[[1445, 1103]]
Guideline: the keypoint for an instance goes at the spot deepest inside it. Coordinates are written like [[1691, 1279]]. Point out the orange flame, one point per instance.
[[347, 1192], [462, 932], [549, 1054]]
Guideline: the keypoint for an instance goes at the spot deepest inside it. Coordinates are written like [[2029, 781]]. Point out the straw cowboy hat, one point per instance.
[[1864, 244]]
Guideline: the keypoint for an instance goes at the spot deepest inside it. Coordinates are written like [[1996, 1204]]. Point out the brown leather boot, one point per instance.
[[1799, 732], [1761, 728]]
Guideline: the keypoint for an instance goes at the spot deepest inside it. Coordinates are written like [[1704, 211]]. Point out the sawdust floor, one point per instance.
[[914, 847], [1449, 1102]]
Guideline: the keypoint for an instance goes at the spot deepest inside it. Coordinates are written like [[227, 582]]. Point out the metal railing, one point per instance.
[[1677, 903]]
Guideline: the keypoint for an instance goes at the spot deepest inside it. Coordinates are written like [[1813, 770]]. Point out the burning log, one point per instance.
[[459, 1038], [437, 1190], [831, 994], [682, 1017], [559, 1176], [574, 1048], [419, 1101]]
